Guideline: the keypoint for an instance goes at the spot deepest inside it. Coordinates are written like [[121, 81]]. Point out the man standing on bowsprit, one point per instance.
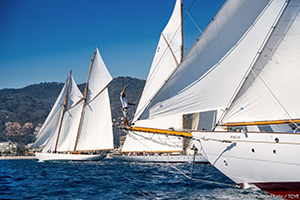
[[125, 104]]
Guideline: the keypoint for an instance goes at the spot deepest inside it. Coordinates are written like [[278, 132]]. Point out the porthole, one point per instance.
[[274, 151], [253, 150], [276, 140], [225, 163]]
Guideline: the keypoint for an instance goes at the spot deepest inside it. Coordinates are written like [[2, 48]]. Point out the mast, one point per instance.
[[181, 20], [183, 139], [64, 110], [84, 99]]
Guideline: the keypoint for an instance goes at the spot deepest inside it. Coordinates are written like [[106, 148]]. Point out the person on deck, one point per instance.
[[125, 104]]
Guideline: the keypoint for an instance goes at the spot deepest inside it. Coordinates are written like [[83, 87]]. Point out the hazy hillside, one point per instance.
[[22, 110]]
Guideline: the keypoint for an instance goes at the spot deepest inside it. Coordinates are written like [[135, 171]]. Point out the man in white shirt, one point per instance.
[[125, 104]]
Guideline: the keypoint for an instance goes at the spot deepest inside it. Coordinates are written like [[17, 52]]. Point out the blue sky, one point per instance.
[[41, 40]]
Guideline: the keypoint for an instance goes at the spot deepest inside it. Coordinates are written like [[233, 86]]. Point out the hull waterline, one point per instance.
[[267, 160], [68, 157]]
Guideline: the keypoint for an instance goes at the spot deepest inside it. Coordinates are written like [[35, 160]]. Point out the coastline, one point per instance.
[[17, 157]]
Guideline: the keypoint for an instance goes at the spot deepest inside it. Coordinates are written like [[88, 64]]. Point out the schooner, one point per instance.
[[79, 127]]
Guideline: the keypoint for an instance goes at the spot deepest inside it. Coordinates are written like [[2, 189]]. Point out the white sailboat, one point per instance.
[[241, 79], [141, 146], [79, 127]]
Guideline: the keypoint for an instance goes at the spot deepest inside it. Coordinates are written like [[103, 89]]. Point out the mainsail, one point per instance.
[[267, 95], [206, 80], [80, 122]]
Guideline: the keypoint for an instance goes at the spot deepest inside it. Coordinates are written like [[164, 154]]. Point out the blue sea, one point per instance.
[[111, 179]]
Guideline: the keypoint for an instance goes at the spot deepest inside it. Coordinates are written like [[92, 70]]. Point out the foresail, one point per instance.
[[148, 142], [210, 73], [99, 77], [74, 94], [272, 89], [166, 58], [96, 130], [69, 128], [49, 135], [52, 120], [69, 122]]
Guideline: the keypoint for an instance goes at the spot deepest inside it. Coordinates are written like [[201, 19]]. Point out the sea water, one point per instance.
[[111, 179]]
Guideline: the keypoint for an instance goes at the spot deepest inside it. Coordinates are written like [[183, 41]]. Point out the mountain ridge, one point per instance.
[[19, 108]]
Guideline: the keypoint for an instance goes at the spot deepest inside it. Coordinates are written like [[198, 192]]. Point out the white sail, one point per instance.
[[149, 142], [51, 124], [53, 128], [52, 120], [166, 58], [96, 127], [200, 83], [139, 142], [69, 128], [96, 132], [267, 93], [99, 77], [73, 96]]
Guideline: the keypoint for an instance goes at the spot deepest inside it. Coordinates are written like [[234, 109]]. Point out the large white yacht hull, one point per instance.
[[162, 159], [68, 157], [267, 160]]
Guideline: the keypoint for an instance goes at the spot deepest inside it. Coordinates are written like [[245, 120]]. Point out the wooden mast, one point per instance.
[[84, 99], [181, 17], [181, 58], [64, 110]]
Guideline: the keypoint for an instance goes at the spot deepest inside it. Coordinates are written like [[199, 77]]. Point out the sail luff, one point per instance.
[[253, 62], [63, 111], [84, 100]]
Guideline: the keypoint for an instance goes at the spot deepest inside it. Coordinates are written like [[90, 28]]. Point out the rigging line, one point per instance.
[[277, 100], [188, 177], [203, 180], [193, 22]]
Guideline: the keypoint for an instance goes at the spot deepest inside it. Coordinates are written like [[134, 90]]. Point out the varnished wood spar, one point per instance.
[[170, 49], [183, 139], [64, 110], [181, 18], [158, 131], [288, 121], [84, 100]]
